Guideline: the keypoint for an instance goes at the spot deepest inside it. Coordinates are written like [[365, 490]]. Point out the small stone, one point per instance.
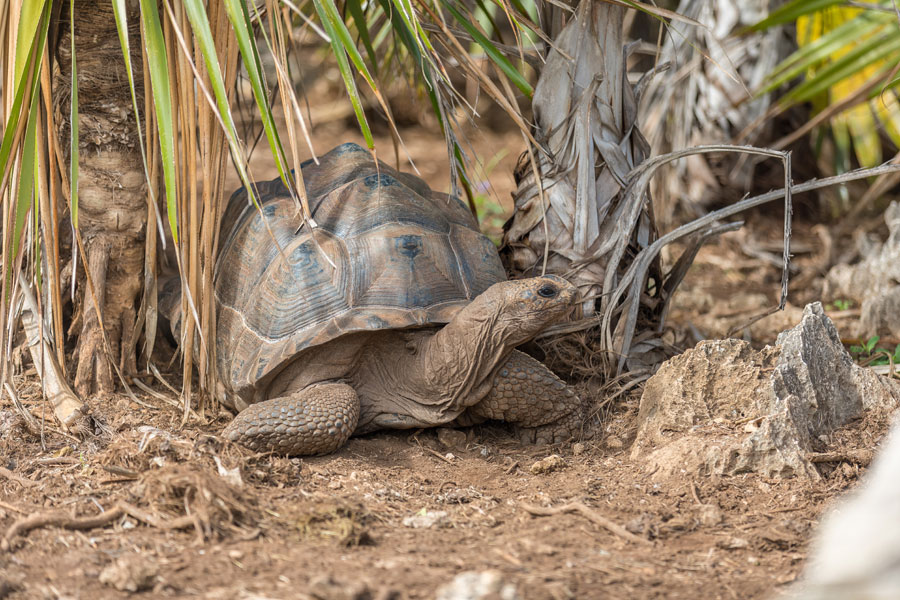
[[786, 578], [451, 439], [735, 543], [326, 587], [614, 443], [578, 449], [131, 573], [427, 519], [710, 515], [474, 585], [334, 485], [548, 465], [638, 525], [7, 588]]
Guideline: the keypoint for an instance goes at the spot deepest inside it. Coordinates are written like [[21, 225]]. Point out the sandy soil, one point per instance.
[[391, 515]]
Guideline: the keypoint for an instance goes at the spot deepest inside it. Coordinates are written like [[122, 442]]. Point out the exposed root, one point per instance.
[[57, 519], [205, 502], [589, 514], [93, 373], [861, 457], [4, 472]]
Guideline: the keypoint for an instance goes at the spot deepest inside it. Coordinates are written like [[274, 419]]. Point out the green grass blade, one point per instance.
[[487, 18], [158, 63], [408, 40], [9, 133], [362, 27], [328, 12], [38, 265], [240, 22], [29, 24], [203, 37], [19, 106], [404, 9], [862, 56], [349, 82], [809, 56], [73, 128], [27, 171], [516, 77]]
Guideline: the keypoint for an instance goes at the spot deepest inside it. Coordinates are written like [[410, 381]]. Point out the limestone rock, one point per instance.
[[879, 269], [549, 464], [725, 408], [873, 282], [427, 519], [132, 573]]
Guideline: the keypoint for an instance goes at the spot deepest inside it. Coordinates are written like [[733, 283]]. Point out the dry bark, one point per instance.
[[112, 209]]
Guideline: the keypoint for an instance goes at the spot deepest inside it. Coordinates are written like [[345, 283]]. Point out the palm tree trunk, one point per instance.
[[112, 209], [579, 222]]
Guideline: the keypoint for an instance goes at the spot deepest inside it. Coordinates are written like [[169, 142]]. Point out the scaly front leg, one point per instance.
[[316, 420]]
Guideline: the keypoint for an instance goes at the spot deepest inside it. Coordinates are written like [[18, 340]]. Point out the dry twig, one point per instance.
[[860, 457], [59, 519], [589, 514], [17, 478], [11, 507]]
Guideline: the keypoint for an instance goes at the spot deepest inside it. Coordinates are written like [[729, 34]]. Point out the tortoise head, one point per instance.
[[522, 308]]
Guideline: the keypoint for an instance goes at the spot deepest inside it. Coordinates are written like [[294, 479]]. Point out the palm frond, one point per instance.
[[847, 57]]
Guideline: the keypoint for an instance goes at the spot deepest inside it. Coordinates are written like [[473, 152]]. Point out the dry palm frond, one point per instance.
[[572, 216], [704, 97]]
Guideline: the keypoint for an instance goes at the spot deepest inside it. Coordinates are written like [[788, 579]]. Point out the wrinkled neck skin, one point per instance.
[[458, 361]]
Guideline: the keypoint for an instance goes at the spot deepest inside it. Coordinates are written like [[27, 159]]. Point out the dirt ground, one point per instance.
[[400, 514]]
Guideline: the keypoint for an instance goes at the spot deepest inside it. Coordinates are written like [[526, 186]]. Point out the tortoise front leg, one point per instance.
[[529, 395], [315, 420]]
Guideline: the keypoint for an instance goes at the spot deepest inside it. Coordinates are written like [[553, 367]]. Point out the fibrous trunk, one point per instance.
[[573, 215], [111, 213]]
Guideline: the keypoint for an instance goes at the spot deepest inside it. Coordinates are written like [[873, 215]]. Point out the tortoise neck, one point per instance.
[[461, 357]]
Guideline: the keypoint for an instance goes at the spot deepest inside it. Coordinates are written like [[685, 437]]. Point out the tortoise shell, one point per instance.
[[387, 253]]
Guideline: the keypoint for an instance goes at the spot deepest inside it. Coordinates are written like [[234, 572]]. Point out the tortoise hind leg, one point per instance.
[[315, 420], [530, 396]]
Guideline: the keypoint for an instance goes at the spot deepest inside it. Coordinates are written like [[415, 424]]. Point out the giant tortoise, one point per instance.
[[393, 312]]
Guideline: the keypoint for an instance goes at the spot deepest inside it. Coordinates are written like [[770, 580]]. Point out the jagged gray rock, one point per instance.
[[873, 282], [880, 313], [723, 407]]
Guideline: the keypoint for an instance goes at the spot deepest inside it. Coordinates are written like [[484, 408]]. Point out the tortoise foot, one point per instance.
[[316, 420], [569, 427]]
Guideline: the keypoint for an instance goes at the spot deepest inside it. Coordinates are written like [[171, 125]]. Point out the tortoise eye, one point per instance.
[[547, 291]]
